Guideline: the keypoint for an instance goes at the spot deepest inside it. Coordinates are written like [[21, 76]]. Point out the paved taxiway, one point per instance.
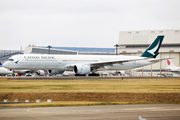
[[104, 112], [82, 77]]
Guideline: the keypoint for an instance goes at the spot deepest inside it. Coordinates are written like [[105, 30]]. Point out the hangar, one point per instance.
[[42, 50], [133, 43], [69, 50]]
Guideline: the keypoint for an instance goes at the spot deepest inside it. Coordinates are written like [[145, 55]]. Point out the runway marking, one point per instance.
[[37, 110], [31, 110]]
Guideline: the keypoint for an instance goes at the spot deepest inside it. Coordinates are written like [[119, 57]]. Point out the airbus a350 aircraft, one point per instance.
[[85, 64], [171, 67]]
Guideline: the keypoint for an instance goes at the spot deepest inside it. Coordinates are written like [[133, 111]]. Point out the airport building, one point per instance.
[[69, 50], [5, 54], [134, 43], [42, 50]]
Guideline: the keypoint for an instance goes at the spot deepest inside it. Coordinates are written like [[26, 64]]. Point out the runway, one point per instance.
[[101, 112]]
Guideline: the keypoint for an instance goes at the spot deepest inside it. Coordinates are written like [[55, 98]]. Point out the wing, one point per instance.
[[110, 63], [157, 60]]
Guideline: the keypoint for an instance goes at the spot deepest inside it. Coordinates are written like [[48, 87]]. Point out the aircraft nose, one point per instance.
[[6, 65]]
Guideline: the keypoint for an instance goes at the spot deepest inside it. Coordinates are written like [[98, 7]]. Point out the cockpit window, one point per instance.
[[10, 59]]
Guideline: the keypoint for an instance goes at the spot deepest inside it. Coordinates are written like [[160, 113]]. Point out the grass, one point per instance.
[[73, 87], [59, 103], [72, 103], [104, 85]]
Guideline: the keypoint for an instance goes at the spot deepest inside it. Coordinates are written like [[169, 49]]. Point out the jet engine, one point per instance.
[[40, 72], [82, 69]]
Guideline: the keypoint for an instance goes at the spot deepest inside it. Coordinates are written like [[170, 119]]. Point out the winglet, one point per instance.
[[152, 50], [0, 64]]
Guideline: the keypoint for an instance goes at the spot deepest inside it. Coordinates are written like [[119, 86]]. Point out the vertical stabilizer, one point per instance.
[[152, 50], [170, 63]]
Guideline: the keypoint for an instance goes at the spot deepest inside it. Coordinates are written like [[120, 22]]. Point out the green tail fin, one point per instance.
[[152, 50]]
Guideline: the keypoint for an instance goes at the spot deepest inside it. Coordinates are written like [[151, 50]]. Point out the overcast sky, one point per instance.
[[81, 23]]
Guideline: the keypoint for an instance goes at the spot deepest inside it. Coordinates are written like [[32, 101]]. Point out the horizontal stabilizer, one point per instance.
[[157, 60]]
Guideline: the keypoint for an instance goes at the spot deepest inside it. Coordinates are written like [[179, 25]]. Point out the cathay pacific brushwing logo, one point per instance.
[[154, 49], [17, 62]]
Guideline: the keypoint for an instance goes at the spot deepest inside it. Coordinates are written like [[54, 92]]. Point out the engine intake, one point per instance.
[[40, 72], [82, 69]]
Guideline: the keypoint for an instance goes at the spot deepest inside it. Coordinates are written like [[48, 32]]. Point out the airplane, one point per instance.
[[171, 67], [119, 72], [4, 71], [112, 72], [85, 64]]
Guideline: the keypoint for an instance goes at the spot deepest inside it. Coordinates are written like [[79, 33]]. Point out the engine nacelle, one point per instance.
[[41, 72], [82, 69]]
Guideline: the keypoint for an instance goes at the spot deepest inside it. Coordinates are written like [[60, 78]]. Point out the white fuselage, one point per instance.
[[59, 62], [5, 71], [173, 69]]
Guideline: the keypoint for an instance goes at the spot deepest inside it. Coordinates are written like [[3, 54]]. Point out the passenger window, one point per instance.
[[10, 59]]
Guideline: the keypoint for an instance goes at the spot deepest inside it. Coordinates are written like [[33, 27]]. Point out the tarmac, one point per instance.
[[81, 77], [99, 112]]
